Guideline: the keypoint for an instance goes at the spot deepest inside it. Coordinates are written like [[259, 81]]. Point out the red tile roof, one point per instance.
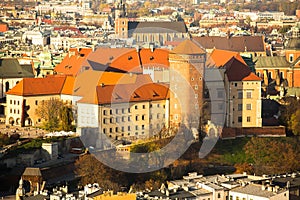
[[50, 85], [72, 63], [131, 93], [126, 59], [221, 57], [238, 71]]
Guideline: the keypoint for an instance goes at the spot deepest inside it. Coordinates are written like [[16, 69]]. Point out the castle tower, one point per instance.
[[187, 62]]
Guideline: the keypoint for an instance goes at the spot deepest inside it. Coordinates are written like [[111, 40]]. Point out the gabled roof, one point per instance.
[[32, 171], [131, 93], [221, 57], [72, 63], [238, 44], [188, 47], [274, 61], [11, 68], [157, 27], [50, 85], [237, 71], [126, 60]]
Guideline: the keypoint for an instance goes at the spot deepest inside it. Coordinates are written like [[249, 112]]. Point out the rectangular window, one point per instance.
[[137, 118], [128, 110], [136, 127], [143, 117], [104, 112], [110, 130], [128, 128], [104, 130], [36, 102], [249, 95], [136, 107], [249, 106], [248, 119], [123, 110], [110, 111], [240, 94], [144, 106], [240, 119], [117, 129], [143, 127], [129, 118], [158, 105], [240, 107], [122, 128]]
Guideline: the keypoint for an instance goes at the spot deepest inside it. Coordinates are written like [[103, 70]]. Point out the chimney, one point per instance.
[[151, 47]]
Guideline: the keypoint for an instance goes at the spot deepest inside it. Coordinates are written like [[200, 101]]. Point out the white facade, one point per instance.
[[35, 36], [52, 149]]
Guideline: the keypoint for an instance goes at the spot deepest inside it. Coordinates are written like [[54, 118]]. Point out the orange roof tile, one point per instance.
[[86, 82], [252, 77], [188, 47], [72, 64], [68, 85], [131, 93], [38, 86], [221, 57]]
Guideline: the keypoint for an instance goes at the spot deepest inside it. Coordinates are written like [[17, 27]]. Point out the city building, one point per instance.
[[23, 99], [247, 45]]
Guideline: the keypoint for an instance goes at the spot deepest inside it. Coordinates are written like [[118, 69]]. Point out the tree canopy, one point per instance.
[[55, 114]]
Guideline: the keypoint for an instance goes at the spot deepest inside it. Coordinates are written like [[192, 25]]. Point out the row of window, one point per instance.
[[238, 198], [14, 111], [248, 107], [240, 119], [14, 102], [129, 128], [236, 84], [123, 110], [248, 95], [137, 118], [122, 129]]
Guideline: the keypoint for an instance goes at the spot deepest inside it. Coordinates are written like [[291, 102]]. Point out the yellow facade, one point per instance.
[[243, 104], [133, 120]]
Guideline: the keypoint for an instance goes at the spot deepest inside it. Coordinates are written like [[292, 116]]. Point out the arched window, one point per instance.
[[6, 86]]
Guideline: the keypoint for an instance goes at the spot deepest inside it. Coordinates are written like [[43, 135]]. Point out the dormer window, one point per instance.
[[291, 58]]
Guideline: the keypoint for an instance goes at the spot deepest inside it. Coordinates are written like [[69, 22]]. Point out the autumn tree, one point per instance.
[[92, 170], [271, 156], [56, 115], [294, 122], [290, 114]]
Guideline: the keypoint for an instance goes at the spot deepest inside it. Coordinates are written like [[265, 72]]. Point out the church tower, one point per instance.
[[121, 20], [187, 62]]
